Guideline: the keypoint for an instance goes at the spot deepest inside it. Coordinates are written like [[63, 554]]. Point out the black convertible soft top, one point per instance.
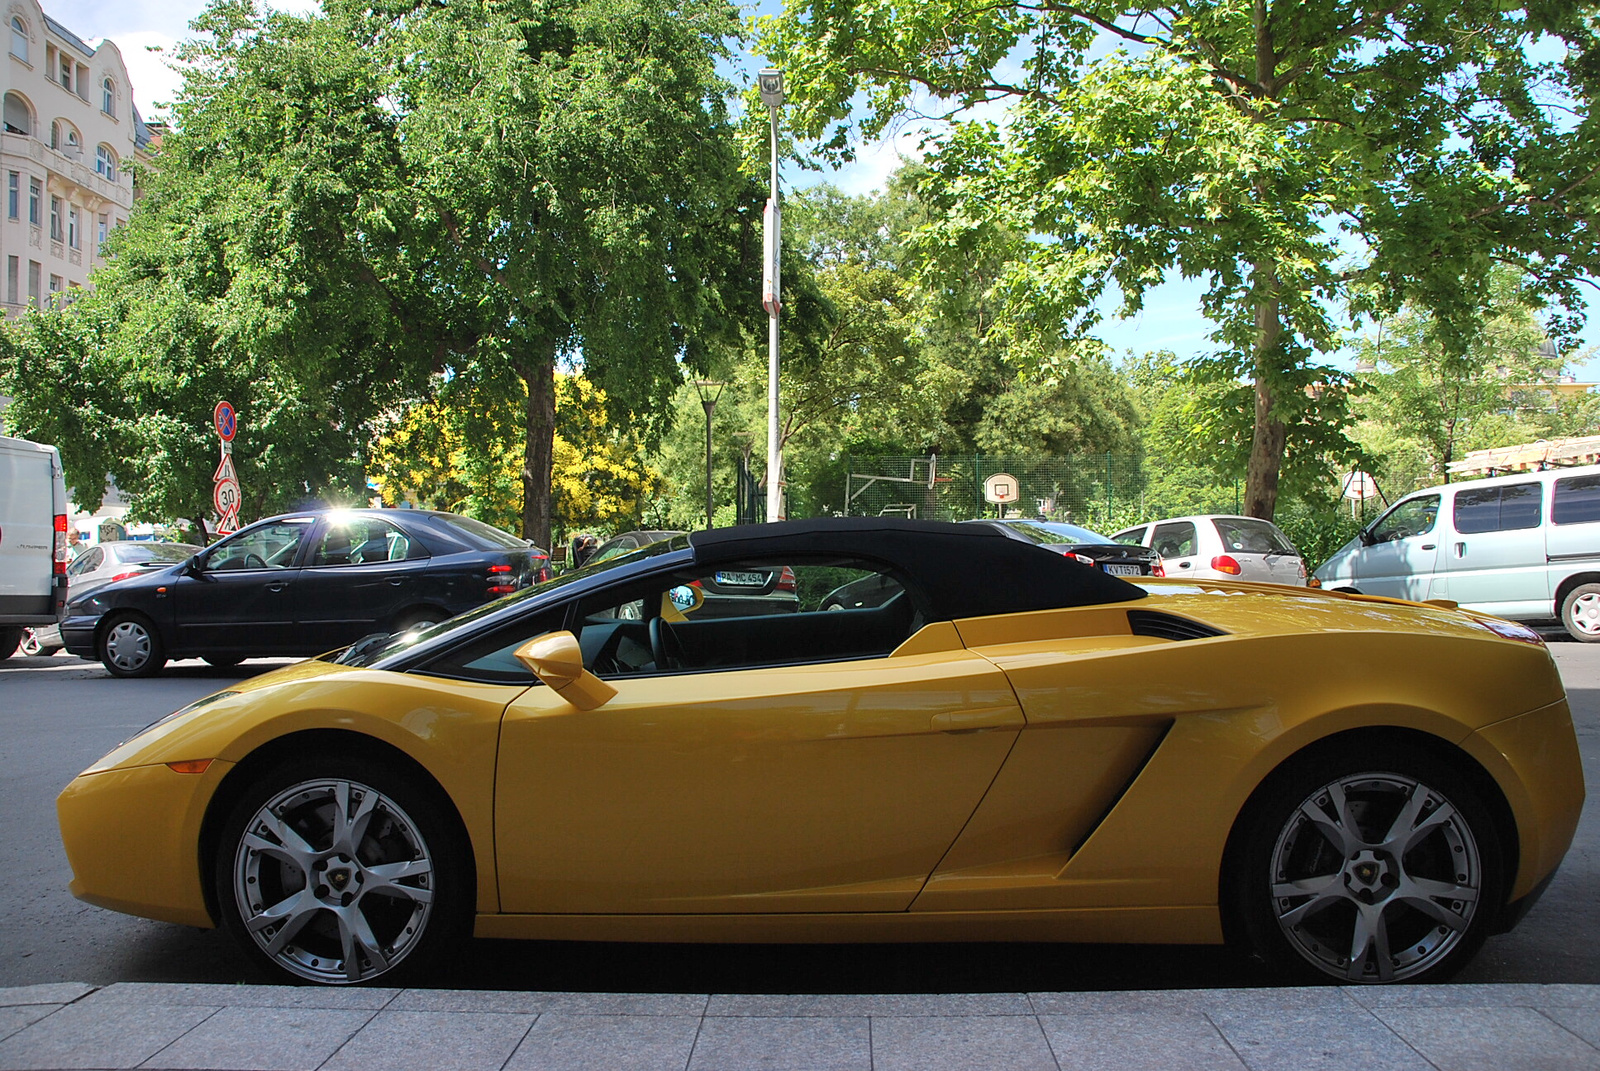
[[966, 570]]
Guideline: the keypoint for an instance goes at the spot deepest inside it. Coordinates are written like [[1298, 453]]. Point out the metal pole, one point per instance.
[[708, 402], [774, 445]]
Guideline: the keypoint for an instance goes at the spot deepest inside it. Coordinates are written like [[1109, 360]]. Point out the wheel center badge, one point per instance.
[[339, 878]]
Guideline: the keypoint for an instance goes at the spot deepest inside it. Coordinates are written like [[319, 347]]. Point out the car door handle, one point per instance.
[[1429, 546], [277, 585], [1461, 550], [1184, 565], [970, 721], [396, 581]]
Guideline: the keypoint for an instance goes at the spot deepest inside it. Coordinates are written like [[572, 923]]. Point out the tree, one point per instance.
[[1426, 405], [1293, 157], [376, 193]]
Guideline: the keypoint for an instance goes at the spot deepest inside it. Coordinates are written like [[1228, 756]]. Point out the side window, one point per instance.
[[363, 541], [745, 615], [1134, 537], [1497, 509], [1175, 540], [1412, 517], [1577, 500], [88, 561], [271, 546], [493, 659]]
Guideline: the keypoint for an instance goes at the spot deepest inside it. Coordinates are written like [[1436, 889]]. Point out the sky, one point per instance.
[[1171, 318]]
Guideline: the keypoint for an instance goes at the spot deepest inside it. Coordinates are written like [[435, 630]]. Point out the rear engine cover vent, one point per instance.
[[1164, 626]]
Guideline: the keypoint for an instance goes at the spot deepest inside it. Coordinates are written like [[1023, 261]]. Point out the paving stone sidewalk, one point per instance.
[[219, 1027]]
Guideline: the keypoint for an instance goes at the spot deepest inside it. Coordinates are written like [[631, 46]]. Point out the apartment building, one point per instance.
[[71, 132]]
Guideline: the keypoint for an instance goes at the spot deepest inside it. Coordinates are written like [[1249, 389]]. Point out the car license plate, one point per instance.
[[1124, 570], [743, 580]]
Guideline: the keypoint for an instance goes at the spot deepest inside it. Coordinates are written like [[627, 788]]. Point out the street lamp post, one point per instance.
[[708, 402], [770, 83]]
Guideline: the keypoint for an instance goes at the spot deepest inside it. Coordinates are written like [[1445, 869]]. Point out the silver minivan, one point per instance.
[[1523, 547]]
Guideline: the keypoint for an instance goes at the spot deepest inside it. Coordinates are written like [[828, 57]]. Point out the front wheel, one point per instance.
[[341, 871], [1580, 613], [1365, 871], [131, 647]]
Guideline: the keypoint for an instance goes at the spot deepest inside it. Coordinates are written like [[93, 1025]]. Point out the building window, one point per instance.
[[108, 96], [55, 219], [34, 194], [13, 195], [72, 227], [35, 275], [102, 228], [105, 163], [66, 72], [19, 39], [19, 117], [13, 269]]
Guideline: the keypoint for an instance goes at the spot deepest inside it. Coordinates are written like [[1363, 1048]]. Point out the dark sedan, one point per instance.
[[300, 584], [1090, 548]]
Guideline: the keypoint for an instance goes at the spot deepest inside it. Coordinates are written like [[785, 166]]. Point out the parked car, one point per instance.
[[1090, 548], [627, 543], [102, 564], [1221, 547], [1017, 747], [33, 539], [300, 584], [1523, 547], [728, 593]]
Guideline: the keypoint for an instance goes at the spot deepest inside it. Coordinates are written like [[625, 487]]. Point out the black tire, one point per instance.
[[130, 646], [401, 893], [223, 661], [10, 639], [1408, 896], [1580, 613]]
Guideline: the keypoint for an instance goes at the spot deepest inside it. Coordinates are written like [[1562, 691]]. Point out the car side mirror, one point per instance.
[[556, 659]]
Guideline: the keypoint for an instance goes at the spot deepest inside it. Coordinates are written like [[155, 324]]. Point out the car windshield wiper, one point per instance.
[[350, 655]]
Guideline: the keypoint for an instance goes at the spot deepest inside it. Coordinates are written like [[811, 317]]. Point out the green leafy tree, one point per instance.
[[1291, 157]]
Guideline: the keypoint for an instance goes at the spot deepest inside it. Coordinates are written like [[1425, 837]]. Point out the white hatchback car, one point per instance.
[[1214, 547]]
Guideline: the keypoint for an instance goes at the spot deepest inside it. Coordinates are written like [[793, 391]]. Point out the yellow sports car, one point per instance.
[[1015, 746]]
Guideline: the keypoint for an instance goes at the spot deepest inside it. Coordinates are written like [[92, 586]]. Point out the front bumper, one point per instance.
[[132, 836]]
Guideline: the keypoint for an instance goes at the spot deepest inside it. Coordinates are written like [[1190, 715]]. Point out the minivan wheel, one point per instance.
[[10, 637], [1580, 613]]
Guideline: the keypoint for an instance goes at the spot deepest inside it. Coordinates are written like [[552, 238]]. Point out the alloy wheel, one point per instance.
[[1375, 877], [333, 881]]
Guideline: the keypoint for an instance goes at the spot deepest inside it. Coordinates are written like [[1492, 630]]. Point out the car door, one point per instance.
[[785, 762], [1177, 544], [1399, 554], [360, 573], [1494, 559], [241, 595]]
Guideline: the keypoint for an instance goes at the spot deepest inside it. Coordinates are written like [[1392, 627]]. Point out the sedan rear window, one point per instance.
[[485, 533]]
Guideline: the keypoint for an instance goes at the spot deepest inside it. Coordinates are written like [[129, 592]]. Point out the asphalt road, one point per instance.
[[59, 714]]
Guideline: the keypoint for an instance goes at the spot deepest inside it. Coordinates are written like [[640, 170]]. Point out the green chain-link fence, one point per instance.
[[1104, 492]]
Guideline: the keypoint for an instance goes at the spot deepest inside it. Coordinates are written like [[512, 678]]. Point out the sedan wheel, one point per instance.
[[1374, 876], [338, 879], [129, 647]]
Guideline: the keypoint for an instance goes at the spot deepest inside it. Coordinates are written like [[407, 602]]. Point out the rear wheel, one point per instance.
[[10, 637], [1362, 871], [131, 647], [1580, 613], [32, 647], [339, 871]]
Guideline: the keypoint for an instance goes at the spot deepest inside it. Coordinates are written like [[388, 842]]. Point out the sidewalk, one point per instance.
[[1427, 1028]]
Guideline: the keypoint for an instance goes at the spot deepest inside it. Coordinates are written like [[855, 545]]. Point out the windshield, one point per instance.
[[156, 552], [370, 649]]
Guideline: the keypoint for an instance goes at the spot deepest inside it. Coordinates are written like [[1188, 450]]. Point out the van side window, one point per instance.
[[1577, 500], [1497, 509], [1412, 517]]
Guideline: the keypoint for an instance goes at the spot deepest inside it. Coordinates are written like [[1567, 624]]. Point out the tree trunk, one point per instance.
[[1268, 439], [539, 422]]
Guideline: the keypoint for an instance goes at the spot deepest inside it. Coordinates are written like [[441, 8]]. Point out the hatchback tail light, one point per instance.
[[1156, 568], [1224, 563], [786, 579]]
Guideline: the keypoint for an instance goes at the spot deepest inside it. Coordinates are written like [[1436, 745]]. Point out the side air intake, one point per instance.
[[1163, 626]]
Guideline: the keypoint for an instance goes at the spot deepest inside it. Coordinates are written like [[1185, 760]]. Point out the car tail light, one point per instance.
[[1224, 563], [62, 554], [1156, 568], [499, 582], [1084, 558], [540, 567], [123, 576], [786, 579]]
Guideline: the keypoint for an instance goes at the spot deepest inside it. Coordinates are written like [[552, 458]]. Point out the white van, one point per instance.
[[33, 538], [1523, 547]]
